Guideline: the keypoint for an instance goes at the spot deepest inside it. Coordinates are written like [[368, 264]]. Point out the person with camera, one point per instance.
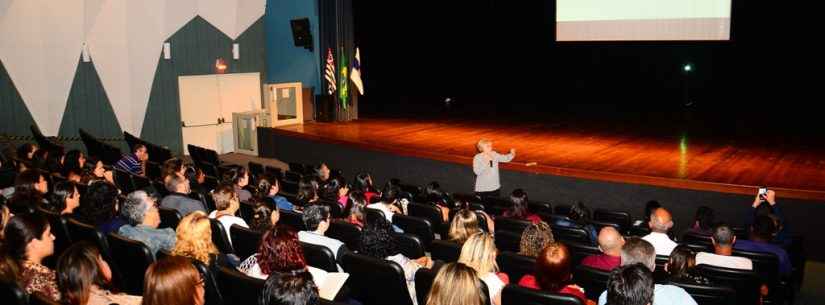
[[765, 204]]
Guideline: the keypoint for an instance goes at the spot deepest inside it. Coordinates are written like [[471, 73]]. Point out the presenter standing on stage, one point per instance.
[[485, 166]]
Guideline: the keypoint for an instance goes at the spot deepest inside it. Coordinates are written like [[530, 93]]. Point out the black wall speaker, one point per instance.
[[301, 33]]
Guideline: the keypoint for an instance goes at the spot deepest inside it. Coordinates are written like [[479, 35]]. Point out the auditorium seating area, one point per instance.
[[375, 282]]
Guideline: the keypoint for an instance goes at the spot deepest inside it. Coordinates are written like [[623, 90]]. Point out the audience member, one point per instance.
[[637, 250], [238, 177], [173, 281], [535, 238], [135, 162], [762, 232], [554, 273], [293, 288], [227, 204], [378, 242], [27, 240], [143, 218], [64, 199], [316, 219], [660, 223], [723, 240], [456, 283], [519, 210], [479, 252], [83, 277], [194, 240], [631, 285], [680, 267], [703, 221], [99, 207], [610, 243], [179, 199], [579, 217]]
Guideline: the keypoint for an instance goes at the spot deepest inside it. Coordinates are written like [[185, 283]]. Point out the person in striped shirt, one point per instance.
[[134, 163]]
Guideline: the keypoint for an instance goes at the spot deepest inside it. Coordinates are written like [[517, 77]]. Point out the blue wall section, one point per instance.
[[285, 61]]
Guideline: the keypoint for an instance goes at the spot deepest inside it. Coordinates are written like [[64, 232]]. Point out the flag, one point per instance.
[[329, 73], [355, 74], [343, 89]]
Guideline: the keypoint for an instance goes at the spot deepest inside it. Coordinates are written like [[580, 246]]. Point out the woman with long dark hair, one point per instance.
[[83, 275], [27, 241]]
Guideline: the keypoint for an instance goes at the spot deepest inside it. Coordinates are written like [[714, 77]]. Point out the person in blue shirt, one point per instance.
[[763, 231], [268, 188], [578, 218]]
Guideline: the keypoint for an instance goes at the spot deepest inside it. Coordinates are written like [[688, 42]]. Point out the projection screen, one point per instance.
[[642, 20]]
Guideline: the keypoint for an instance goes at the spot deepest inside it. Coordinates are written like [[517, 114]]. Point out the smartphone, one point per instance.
[[763, 191]]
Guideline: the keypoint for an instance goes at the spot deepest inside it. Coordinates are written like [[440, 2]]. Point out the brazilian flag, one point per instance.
[[343, 86]]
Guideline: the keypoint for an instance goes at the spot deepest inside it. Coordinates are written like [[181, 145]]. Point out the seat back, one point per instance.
[[123, 180], [346, 232], [620, 218], [660, 275], [562, 209], [568, 234], [508, 241], [540, 207], [424, 279], [765, 264], [376, 281], [219, 237], [213, 294], [238, 288], [511, 225], [420, 227], [245, 242], [697, 239], [319, 257], [746, 283], [372, 214], [12, 294], [293, 219], [579, 251], [594, 281], [169, 218], [84, 232], [515, 265], [410, 245], [430, 213], [256, 169], [157, 153], [141, 183], [446, 251], [708, 295], [514, 294], [132, 259]]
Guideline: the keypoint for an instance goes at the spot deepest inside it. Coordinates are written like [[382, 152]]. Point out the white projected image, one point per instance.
[[642, 20]]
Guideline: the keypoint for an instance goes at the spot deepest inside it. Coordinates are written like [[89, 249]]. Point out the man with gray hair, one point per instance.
[[140, 212], [723, 240], [637, 250], [660, 222], [179, 198]]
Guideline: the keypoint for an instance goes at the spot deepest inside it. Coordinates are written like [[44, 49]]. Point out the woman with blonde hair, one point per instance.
[[456, 283], [194, 240], [479, 252], [535, 238], [465, 223], [173, 281]]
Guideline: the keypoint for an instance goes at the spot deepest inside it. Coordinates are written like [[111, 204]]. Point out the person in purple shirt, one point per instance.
[[762, 232], [610, 243], [134, 163]]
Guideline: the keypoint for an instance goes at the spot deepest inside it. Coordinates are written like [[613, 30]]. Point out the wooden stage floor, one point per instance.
[[602, 153]]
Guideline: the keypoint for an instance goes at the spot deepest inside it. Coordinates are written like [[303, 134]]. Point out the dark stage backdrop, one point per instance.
[[498, 56]]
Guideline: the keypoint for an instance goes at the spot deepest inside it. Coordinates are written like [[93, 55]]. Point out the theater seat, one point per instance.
[[346, 232], [219, 237], [169, 218], [319, 257], [245, 242], [132, 259], [511, 225], [419, 227], [514, 294], [293, 219], [745, 282], [445, 251], [708, 295], [515, 265], [376, 281], [213, 294], [508, 241], [620, 218], [410, 245], [579, 251], [594, 281], [238, 288], [12, 294]]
